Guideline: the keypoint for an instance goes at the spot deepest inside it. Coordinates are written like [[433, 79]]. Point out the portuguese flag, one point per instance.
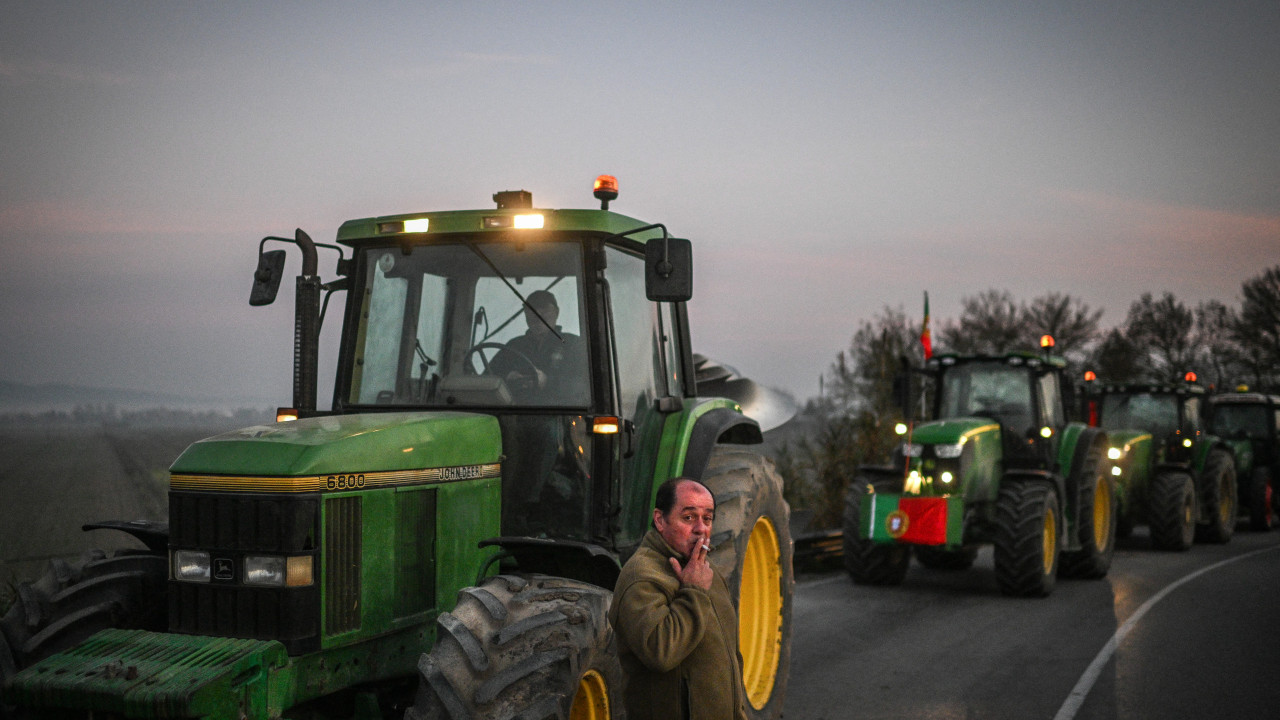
[[888, 517]]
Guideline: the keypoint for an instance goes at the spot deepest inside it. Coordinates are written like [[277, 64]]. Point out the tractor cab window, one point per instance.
[[992, 390], [1052, 414], [481, 324], [1241, 421], [1155, 413]]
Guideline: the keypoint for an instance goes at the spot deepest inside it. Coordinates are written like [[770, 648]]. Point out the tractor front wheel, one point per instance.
[[1262, 514], [1218, 493], [1026, 542], [751, 548], [72, 601], [1095, 521], [531, 646], [869, 562], [1173, 511]]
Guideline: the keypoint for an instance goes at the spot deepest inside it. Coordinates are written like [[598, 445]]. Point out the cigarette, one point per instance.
[[707, 548]]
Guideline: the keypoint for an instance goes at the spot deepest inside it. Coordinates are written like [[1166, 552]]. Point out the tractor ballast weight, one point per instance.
[[999, 464], [442, 542]]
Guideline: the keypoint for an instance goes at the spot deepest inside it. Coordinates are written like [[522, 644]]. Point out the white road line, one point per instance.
[[1076, 698]]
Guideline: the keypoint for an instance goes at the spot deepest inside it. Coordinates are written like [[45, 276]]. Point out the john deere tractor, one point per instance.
[[1170, 474], [1249, 422], [999, 464], [512, 385]]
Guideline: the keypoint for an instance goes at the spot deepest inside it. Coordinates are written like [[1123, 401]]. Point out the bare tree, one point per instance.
[[1258, 331], [1116, 358], [1162, 331], [1073, 325], [1218, 356], [989, 322]]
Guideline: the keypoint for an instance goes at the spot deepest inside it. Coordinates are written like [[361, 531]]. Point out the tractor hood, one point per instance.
[[1125, 438], [371, 442], [953, 430]]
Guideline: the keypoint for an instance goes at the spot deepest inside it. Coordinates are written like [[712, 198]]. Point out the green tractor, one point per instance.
[[1249, 423], [443, 542], [1170, 474], [999, 464]]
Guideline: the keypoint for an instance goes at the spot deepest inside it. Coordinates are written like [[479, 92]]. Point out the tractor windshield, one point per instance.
[[992, 389], [473, 324], [1241, 421], [1157, 414]]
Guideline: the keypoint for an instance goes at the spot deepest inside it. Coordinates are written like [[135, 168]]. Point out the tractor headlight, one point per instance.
[[948, 452], [913, 450], [1115, 453], [191, 565], [278, 571]]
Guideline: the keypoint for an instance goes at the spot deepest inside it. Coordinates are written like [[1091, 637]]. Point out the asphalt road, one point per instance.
[[1164, 635]]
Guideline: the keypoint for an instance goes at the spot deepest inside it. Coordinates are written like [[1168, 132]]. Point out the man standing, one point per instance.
[[674, 618]]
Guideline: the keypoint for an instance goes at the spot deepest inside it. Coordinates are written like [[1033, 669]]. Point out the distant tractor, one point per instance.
[[512, 386], [1250, 423], [999, 464], [1170, 474]]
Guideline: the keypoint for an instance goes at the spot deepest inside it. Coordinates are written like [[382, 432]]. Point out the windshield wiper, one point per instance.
[[501, 276]]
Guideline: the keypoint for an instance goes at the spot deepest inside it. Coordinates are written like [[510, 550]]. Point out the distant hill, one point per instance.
[[23, 398]]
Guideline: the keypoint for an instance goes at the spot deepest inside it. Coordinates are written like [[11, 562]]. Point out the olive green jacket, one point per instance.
[[678, 645]]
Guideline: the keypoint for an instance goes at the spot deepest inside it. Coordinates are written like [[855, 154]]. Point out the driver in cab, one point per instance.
[[545, 362]]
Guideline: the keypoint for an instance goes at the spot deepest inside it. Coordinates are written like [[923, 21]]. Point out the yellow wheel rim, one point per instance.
[[1101, 514], [592, 699], [1049, 541], [760, 613]]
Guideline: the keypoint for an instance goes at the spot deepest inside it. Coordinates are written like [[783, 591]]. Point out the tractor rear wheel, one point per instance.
[[935, 558], [751, 548], [1173, 511], [1026, 542], [869, 562], [522, 646], [1095, 521], [1262, 514], [1218, 498], [72, 601]]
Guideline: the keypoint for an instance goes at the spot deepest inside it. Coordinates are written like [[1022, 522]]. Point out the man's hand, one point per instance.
[[697, 571]]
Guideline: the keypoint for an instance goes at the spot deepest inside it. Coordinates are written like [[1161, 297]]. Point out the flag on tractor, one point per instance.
[[926, 340]]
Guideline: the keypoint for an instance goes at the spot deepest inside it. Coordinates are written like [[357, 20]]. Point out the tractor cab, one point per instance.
[[1022, 393]]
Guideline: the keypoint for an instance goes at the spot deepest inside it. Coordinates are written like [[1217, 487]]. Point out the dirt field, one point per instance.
[[56, 478]]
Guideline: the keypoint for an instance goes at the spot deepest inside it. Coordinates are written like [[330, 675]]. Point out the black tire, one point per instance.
[[871, 563], [1217, 499], [752, 548], [72, 601], [1095, 520], [1026, 542], [1262, 516], [529, 646], [1173, 511], [936, 558]]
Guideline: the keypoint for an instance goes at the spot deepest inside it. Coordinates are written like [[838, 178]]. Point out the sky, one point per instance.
[[827, 159]]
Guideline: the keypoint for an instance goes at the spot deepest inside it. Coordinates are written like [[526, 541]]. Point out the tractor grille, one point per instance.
[[229, 527], [342, 559]]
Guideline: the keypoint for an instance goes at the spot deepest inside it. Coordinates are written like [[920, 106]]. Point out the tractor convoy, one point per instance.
[[1171, 474], [512, 386], [999, 464], [443, 542]]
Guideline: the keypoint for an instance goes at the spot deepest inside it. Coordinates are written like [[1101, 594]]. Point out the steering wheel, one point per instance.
[[484, 361]]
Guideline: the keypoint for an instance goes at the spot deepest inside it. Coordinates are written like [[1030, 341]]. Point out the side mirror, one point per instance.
[[266, 279], [668, 270]]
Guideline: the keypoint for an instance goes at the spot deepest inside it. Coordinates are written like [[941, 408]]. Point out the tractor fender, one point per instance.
[[880, 472], [153, 534], [571, 559], [1085, 442], [719, 425]]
